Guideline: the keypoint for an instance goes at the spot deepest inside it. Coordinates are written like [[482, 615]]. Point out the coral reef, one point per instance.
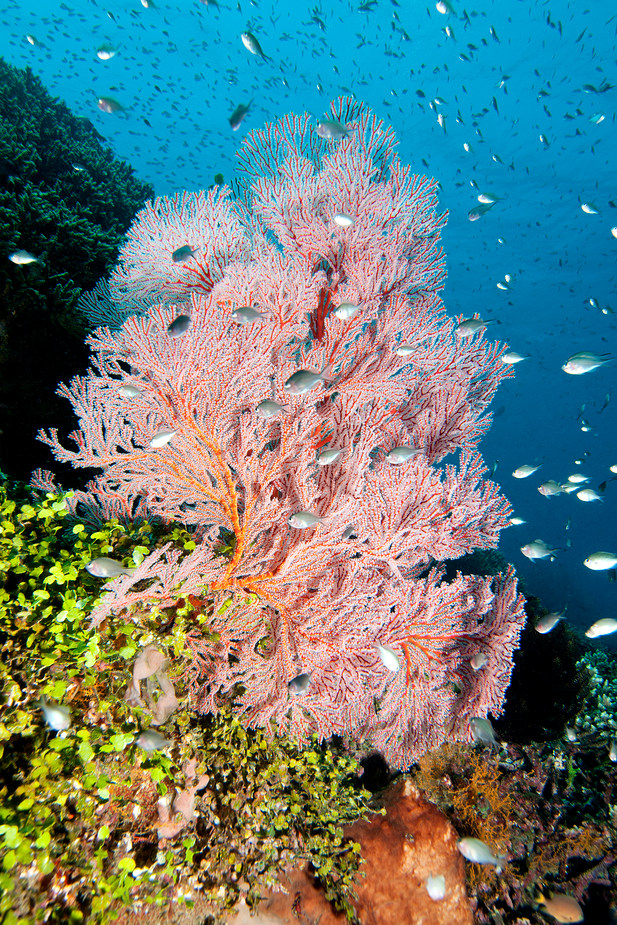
[[599, 713], [65, 199], [529, 802], [83, 806], [411, 842], [295, 390]]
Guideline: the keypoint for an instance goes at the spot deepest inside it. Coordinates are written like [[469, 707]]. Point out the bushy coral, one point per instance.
[[63, 195], [599, 714], [525, 802], [80, 809]]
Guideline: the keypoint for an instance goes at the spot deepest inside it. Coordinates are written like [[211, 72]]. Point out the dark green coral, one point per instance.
[[65, 198]]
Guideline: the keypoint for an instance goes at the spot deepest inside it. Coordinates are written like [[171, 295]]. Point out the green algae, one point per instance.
[[79, 808]]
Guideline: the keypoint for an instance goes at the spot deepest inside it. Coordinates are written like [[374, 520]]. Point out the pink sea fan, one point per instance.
[[207, 225], [316, 602], [98, 307]]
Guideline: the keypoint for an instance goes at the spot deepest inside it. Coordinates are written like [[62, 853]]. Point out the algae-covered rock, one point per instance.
[[94, 822]]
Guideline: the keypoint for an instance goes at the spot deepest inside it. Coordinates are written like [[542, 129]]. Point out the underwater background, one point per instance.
[[515, 99], [511, 107]]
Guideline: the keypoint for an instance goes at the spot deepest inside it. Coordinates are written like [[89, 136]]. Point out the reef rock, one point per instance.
[[413, 841]]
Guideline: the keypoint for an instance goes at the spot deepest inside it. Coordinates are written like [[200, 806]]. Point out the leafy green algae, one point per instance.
[[79, 808]]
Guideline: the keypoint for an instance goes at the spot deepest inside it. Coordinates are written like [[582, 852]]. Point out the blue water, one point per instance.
[[184, 69]]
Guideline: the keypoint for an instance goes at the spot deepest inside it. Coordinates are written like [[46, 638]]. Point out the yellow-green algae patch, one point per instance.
[[79, 808]]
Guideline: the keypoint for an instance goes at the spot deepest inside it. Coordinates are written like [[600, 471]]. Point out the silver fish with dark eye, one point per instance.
[[246, 314], [331, 130], [104, 567], [301, 520], [251, 44]]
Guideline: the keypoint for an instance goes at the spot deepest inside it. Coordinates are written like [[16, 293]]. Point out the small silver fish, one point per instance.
[[523, 472], [603, 627], [252, 44], [538, 550], [436, 886], [601, 561], [401, 454], [303, 380], [343, 220], [346, 310], [57, 715], [511, 357], [129, 391], [179, 326], [152, 741], [162, 438], [299, 685], [183, 253], [109, 104], [478, 661], [331, 130], [326, 457], [488, 198], [585, 362], [239, 115], [470, 326], [578, 478], [550, 489], [477, 851], [104, 567], [267, 408], [478, 211], [482, 731], [389, 658], [246, 314], [302, 520], [548, 622], [23, 258], [105, 52], [588, 494]]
